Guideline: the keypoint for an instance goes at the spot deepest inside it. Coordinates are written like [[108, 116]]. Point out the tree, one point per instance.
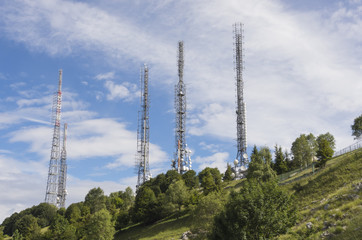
[[95, 200], [280, 163], [28, 227], [329, 137], [73, 213], [261, 210], [17, 235], [260, 165], [99, 226], [325, 152], [1, 232], [210, 180], [145, 208], [190, 179], [204, 213], [303, 150], [60, 229], [177, 194], [228, 174], [45, 213], [357, 127]]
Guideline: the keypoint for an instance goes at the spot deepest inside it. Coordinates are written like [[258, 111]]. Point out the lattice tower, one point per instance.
[[241, 155], [182, 160], [62, 192], [143, 132], [51, 195]]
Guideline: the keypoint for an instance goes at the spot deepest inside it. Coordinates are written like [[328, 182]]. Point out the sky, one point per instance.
[[303, 68]]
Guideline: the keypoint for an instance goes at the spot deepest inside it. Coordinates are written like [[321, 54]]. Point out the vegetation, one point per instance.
[[357, 127], [309, 205]]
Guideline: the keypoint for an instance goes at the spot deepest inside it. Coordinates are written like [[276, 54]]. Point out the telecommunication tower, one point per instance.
[[182, 160], [143, 132], [62, 192], [241, 156], [51, 195]]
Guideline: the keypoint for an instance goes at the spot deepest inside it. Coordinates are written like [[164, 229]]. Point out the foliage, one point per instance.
[[329, 137], [190, 178], [204, 213], [99, 226], [228, 174], [28, 227], [325, 152], [260, 165], [95, 200], [145, 208], [357, 127], [1, 233], [60, 229], [280, 163], [261, 210], [303, 150], [17, 235], [73, 213], [177, 194], [45, 213], [210, 180]]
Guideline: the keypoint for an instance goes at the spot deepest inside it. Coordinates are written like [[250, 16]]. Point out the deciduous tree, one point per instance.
[[324, 153], [357, 127], [261, 210]]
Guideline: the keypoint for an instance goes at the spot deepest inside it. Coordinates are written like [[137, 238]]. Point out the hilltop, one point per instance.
[[329, 204]]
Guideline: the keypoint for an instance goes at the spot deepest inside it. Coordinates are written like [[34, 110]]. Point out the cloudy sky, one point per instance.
[[303, 68]]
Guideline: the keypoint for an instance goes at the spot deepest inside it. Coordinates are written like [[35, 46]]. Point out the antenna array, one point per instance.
[[51, 195], [241, 156], [182, 160], [62, 192], [143, 135]]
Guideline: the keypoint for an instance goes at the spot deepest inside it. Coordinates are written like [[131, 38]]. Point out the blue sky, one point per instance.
[[303, 69]]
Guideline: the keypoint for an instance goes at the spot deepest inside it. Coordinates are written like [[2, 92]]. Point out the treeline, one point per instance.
[[305, 150], [171, 194], [168, 195]]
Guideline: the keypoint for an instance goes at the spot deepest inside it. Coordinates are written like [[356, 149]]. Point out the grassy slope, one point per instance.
[[332, 186]]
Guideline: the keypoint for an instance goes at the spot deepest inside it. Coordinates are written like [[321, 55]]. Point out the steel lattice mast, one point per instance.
[[52, 183], [62, 192], [241, 155], [143, 135], [182, 161]]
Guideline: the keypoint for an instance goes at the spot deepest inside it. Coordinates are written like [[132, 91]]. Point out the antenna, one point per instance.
[[182, 159], [51, 195], [62, 192], [241, 155], [142, 157]]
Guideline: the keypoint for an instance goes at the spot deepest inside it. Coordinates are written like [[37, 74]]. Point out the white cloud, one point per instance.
[[218, 160], [126, 91], [105, 76]]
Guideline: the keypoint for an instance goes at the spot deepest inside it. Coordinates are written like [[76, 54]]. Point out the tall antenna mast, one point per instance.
[[241, 155], [62, 192], [182, 160], [143, 132], [52, 183]]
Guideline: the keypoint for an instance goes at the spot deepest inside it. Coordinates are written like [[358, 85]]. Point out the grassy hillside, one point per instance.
[[329, 203]]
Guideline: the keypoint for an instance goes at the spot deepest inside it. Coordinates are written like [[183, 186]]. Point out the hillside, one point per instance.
[[329, 204]]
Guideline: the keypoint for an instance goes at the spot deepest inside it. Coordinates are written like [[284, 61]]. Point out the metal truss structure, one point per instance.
[[143, 132], [62, 192], [182, 160], [241, 156], [51, 195]]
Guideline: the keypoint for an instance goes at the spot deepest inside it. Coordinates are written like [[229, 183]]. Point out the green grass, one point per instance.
[[331, 186], [168, 229]]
